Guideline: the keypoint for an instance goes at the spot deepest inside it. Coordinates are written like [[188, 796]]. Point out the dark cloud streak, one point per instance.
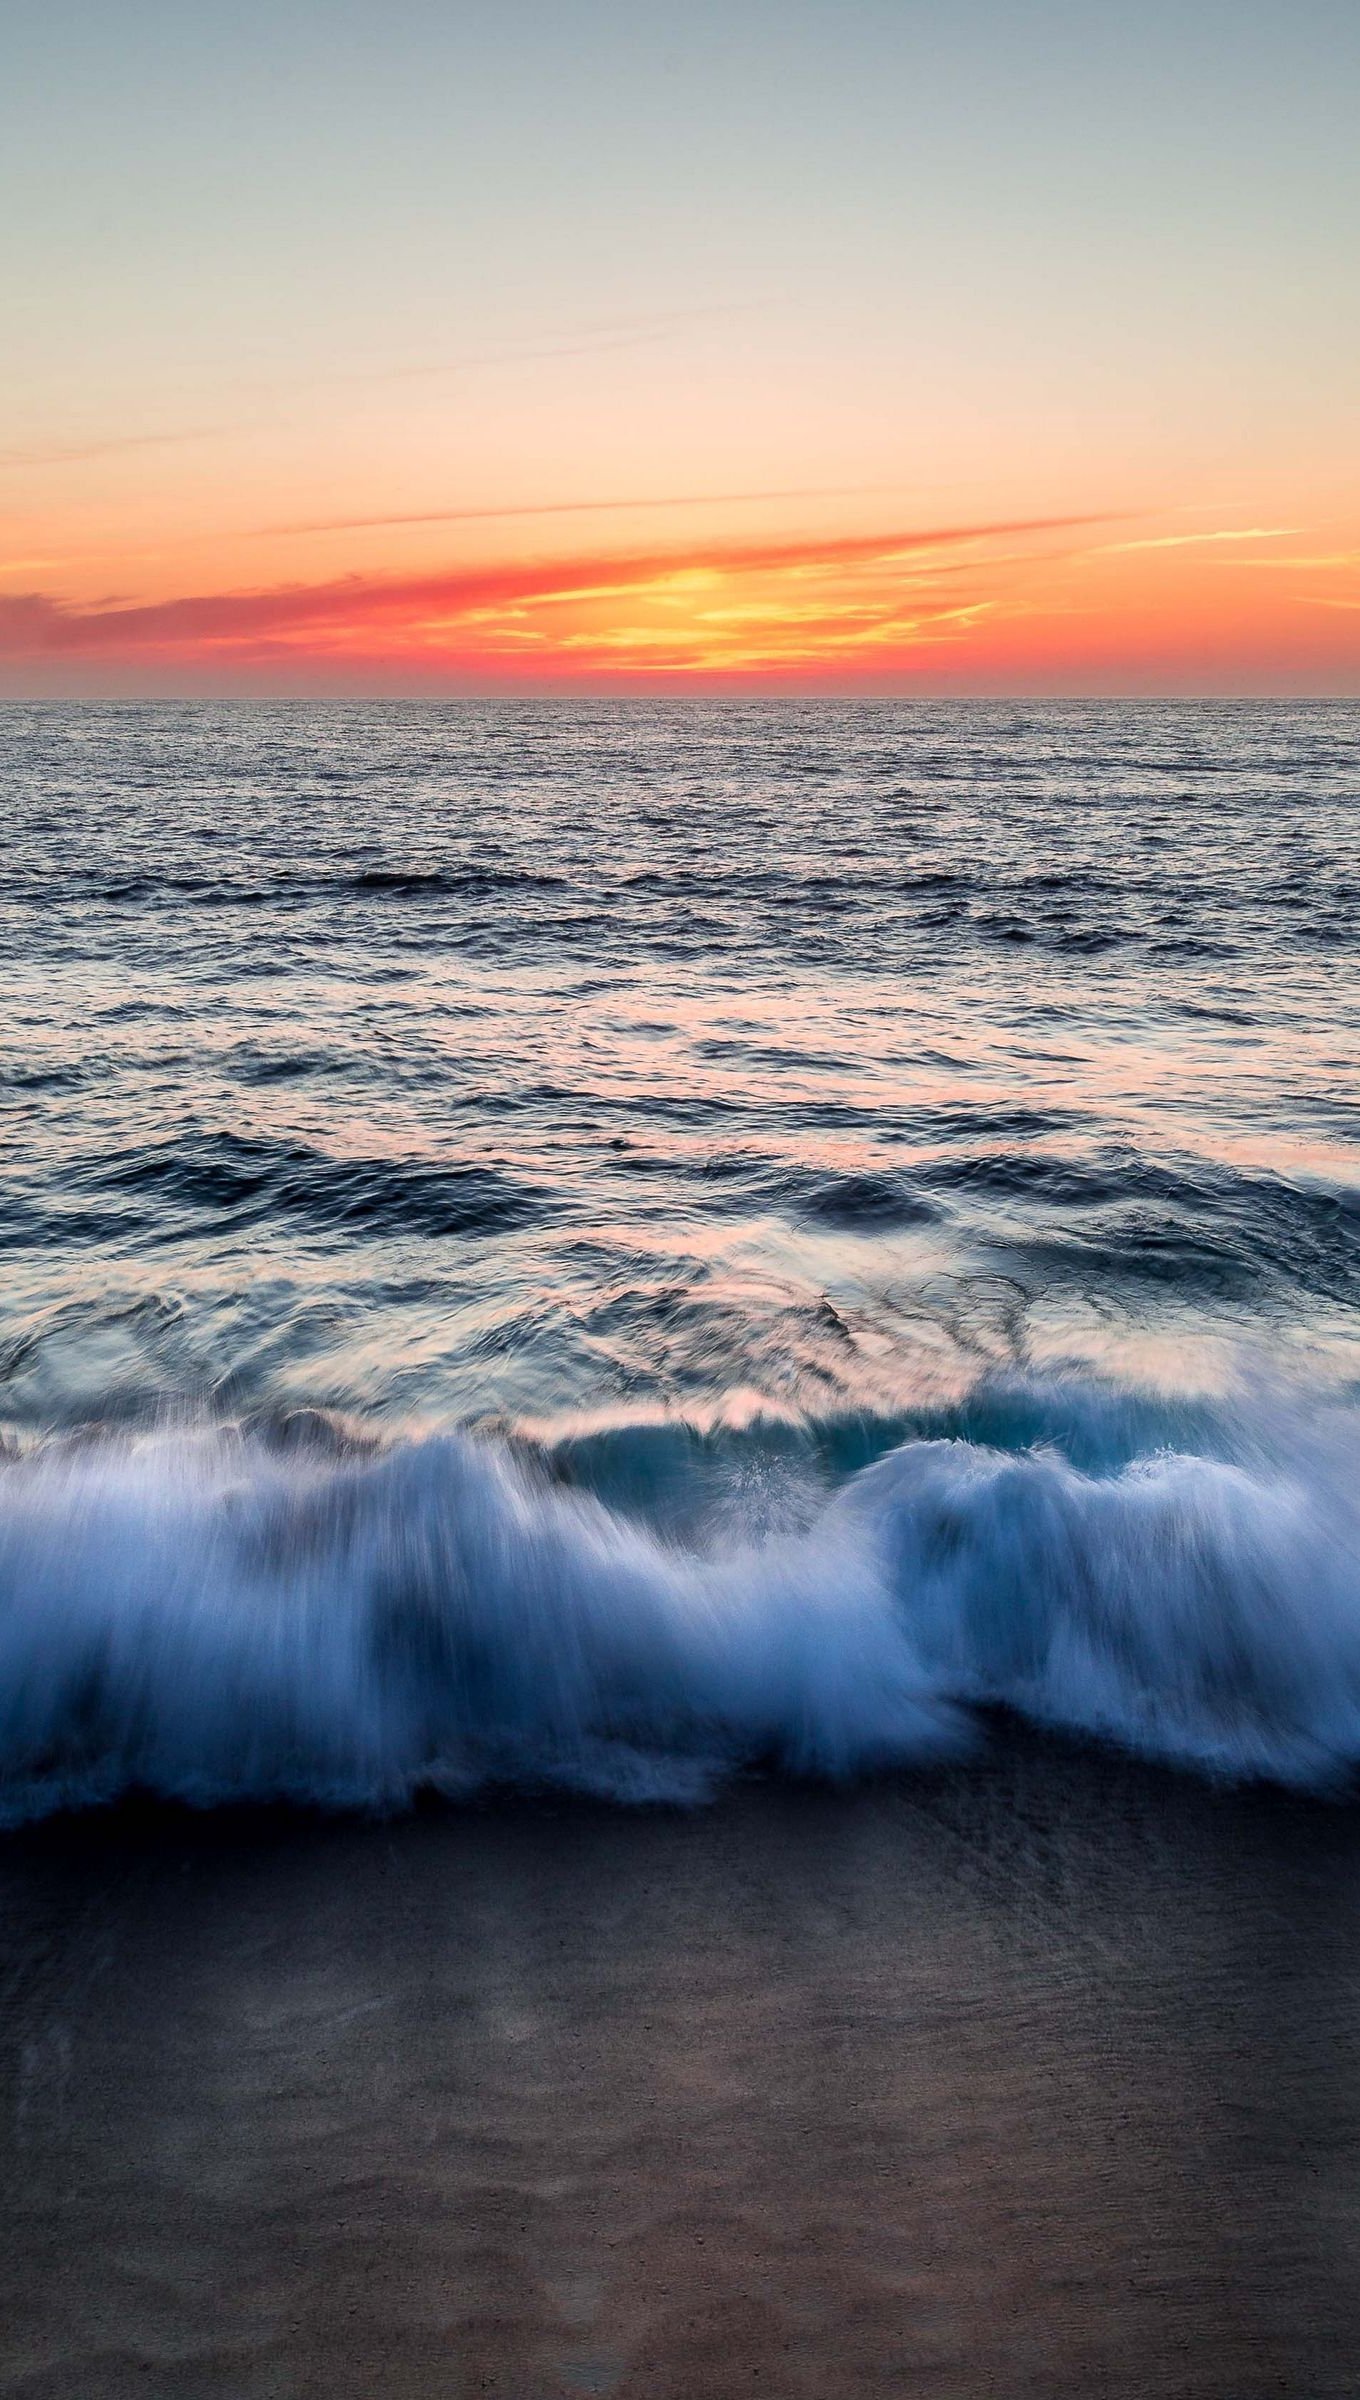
[[66, 454], [575, 508]]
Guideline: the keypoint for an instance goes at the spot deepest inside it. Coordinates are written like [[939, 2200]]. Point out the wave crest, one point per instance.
[[213, 1618]]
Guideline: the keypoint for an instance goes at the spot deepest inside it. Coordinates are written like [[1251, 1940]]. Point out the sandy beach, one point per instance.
[[1035, 2076]]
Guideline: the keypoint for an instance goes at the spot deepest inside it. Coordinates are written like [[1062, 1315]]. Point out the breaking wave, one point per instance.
[[219, 1616]]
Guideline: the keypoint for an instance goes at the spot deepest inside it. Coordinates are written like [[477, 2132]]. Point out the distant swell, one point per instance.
[[472, 879], [236, 1180], [216, 1618]]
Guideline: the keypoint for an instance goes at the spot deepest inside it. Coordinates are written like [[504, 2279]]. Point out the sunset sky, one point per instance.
[[467, 347]]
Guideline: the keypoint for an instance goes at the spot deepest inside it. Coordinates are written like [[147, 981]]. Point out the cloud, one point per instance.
[[65, 454], [623, 333], [382, 610], [1188, 541], [27, 621], [1327, 558], [586, 341], [575, 508]]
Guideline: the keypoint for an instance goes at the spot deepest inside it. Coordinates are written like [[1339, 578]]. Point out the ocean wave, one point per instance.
[[237, 1180], [161, 887], [225, 1616]]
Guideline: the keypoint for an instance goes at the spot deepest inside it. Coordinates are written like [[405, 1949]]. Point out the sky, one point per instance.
[[967, 347]]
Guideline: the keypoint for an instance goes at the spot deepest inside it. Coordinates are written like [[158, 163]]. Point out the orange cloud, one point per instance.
[[1003, 604], [728, 606]]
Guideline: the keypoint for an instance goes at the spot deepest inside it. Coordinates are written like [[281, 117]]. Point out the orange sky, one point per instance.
[[793, 348], [1046, 604]]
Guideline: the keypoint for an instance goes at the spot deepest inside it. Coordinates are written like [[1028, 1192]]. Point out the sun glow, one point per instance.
[[1035, 598]]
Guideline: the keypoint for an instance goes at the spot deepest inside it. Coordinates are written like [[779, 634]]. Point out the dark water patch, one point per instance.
[[1209, 1224], [978, 1121], [125, 1012], [1034, 1176], [266, 1067], [400, 882], [1090, 939], [798, 1058], [287, 886], [66, 1077], [1005, 929], [1064, 879], [1242, 1255], [1193, 947], [238, 1181], [862, 1203]]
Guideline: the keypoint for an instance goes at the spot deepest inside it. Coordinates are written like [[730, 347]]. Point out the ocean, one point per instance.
[[680, 1551], [618, 1245]]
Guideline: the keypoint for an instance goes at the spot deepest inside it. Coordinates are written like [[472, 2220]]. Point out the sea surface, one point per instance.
[[617, 1246]]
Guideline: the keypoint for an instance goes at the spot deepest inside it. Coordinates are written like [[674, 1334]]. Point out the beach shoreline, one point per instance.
[[1035, 2073]]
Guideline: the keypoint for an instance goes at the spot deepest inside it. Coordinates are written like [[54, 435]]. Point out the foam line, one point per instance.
[[199, 1616]]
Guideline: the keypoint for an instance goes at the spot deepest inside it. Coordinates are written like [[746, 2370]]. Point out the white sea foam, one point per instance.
[[198, 1617]]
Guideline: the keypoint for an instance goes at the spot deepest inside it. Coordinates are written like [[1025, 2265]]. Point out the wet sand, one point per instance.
[[1041, 2076]]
